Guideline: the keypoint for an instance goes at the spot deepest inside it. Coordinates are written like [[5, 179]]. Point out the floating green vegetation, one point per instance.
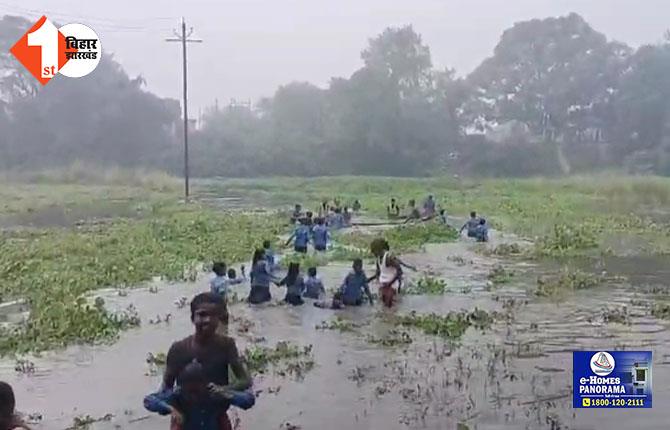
[[506, 249], [661, 310], [338, 324], [567, 239], [616, 315], [292, 357], [304, 260], [158, 359], [566, 281], [54, 269], [499, 275], [451, 326], [427, 285], [392, 339]]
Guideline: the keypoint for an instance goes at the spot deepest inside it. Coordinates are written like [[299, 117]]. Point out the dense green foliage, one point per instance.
[[555, 96], [53, 269]]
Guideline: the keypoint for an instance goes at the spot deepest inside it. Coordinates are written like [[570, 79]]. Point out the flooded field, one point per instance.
[[515, 375]]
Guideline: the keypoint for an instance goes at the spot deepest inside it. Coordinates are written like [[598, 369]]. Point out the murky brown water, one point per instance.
[[515, 376]]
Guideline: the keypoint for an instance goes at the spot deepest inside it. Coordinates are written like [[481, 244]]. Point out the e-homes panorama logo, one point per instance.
[[73, 50]]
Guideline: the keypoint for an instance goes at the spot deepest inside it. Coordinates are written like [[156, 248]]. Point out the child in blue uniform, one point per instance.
[[313, 286], [295, 285], [320, 235], [194, 405], [300, 238], [471, 225], [482, 231], [354, 285]]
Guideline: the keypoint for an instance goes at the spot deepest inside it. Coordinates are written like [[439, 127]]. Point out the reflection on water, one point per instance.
[[515, 376]]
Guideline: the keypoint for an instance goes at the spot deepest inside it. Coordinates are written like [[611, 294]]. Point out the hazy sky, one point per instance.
[[252, 46]]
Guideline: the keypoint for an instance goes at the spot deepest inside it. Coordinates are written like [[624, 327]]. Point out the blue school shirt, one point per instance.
[[320, 234], [270, 257], [219, 285], [314, 287], [354, 285], [296, 288], [301, 236], [472, 225], [482, 233], [260, 276], [203, 415]]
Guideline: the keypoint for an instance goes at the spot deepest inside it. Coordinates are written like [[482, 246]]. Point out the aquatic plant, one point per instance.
[[427, 285], [451, 326], [565, 239], [392, 339], [259, 358], [338, 324], [566, 281], [499, 275], [54, 269]]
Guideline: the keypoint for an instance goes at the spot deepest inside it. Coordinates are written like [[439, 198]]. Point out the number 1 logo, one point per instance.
[[41, 50]]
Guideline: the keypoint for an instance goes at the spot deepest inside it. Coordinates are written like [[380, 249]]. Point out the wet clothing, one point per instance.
[[314, 288], [353, 287], [260, 283], [270, 258], [320, 237], [393, 209], [356, 206], [215, 359], [472, 225], [389, 280], [301, 238], [219, 285], [294, 287], [482, 233], [429, 208], [207, 413]]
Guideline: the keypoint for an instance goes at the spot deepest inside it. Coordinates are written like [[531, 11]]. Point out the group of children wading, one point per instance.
[[196, 390]]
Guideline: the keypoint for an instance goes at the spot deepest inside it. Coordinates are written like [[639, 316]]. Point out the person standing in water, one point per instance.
[[260, 277], [320, 235], [300, 237], [9, 419], [389, 271], [429, 208], [216, 353], [295, 285], [471, 225], [393, 210]]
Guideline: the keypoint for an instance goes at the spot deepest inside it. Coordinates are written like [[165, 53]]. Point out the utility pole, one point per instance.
[[184, 39]]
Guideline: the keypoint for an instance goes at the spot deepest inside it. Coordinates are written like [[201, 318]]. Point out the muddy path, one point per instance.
[[516, 375]]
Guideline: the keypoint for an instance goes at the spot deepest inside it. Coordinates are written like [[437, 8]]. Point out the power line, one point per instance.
[[185, 39], [136, 24]]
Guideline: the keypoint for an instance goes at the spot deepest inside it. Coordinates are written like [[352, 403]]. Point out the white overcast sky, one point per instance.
[[253, 46]]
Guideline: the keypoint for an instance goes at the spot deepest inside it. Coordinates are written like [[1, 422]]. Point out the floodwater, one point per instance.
[[516, 375]]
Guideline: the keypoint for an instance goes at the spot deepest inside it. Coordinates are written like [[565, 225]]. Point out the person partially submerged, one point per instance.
[[295, 285], [314, 288], [300, 237], [9, 419], [389, 271], [261, 276], [482, 231], [471, 225], [429, 208], [414, 214], [355, 284], [320, 235], [195, 404], [393, 210], [217, 354]]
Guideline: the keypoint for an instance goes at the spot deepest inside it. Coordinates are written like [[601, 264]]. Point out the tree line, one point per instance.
[[556, 96]]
